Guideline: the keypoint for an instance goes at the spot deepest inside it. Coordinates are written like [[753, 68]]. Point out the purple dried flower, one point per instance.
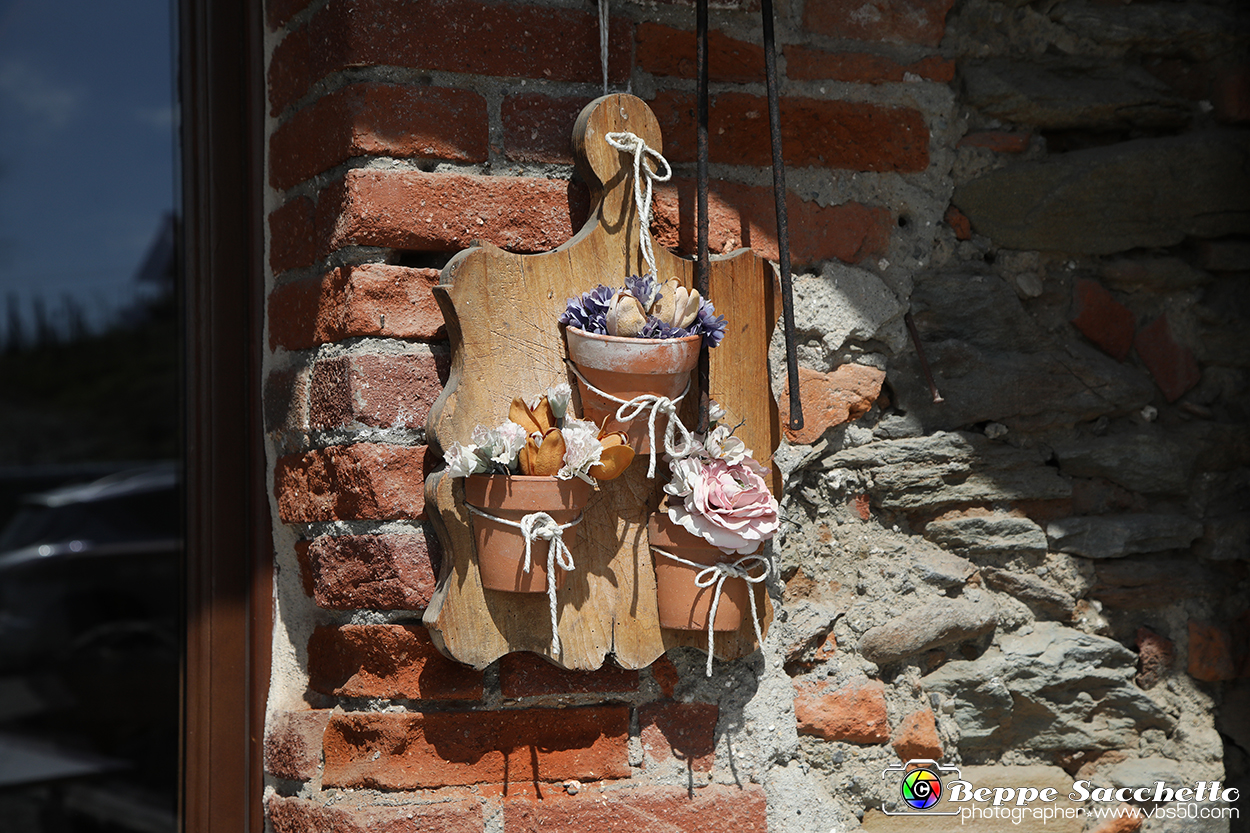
[[644, 288], [708, 324], [590, 310]]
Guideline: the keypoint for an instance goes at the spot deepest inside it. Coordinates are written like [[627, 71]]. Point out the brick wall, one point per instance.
[[400, 132]]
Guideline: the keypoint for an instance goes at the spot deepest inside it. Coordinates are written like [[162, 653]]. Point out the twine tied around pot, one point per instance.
[[542, 526], [656, 405], [631, 143], [716, 574]]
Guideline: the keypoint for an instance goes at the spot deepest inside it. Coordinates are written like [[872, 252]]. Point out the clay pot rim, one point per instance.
[[630, 339]]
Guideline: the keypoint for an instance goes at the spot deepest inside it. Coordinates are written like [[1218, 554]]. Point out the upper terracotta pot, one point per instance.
[[630, 367], [501, 548]]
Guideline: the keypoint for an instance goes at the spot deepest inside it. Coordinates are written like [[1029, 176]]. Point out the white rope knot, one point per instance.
[[715, 575], [541, 526], [631, 143], [658, 405]]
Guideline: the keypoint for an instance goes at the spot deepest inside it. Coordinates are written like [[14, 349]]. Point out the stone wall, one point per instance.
[[1040, 578]]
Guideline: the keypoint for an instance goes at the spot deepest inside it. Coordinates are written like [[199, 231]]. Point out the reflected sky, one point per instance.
[[86, 146]]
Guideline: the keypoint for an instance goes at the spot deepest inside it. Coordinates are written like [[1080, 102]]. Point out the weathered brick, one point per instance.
[[999, 141], [1173, 366], [684, 731], [854, 713], [410, 751], [824, 133], [386, 661], [382, 120], [712, 809], [447, 212], [1103, 319], [354, 814], [1128, 819], [278, 12], [366, 481], [959, 223], [666, 675], [663, 50], [371, 299], [460, 36], [293, 240], [538, 128], [1211, 656], [379, 391], [375, 572], [745, 216], [529, 675], [1155, 655], [806, 64], [916, 737], [831, 399], [892, 21], [293, 744]]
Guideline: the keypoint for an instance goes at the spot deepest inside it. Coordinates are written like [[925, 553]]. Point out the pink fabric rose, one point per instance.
[[728, 504]]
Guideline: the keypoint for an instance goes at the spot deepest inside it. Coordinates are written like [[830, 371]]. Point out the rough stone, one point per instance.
[[1072, 94], [1224, 255], [988, 534], [1052, 689], [931, 625], [940, 568], [1160, 274], [1098, 201], [1211, 653], [806, 625], [1196, 30], [948, 468], [831, 399], [843, 304], [1115, 536], [1134, 584], [1145, 462], [1032, 590]]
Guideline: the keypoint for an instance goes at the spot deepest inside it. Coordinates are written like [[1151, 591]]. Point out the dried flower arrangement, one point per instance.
[[644, 308]]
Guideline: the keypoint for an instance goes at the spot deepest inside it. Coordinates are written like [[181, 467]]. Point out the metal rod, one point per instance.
[[783, 229], [701, 266], [924, 362]]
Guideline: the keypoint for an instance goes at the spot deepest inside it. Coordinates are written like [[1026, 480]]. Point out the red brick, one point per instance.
[[959, 223], [806, 64], [1173, 366], [366, 481], [372, 300], [1211, 656], [681, 731], [831, 399], [410, 751], [529, 675], [461, 36], [447, 212], [666, 51], [854, 713], [1103, 319], [293, 744], [278, 12], [666, 675], [821, 133], [715, 808], [379, 391], [538, 128], [354, 814], [862, 507], [379, 120], [916, 737], [1155, 656], [303, 557], [386, 661], [892, 21], [375, 572], [293, 240], [745, 216], [999, 141], [1128, 819]]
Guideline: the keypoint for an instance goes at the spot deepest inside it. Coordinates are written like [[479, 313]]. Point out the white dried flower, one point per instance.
[[582, 449], [722, 445], [558, 397], [462, 460]]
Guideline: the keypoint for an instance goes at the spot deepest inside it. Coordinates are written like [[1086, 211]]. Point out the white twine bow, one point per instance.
[[716, 574], [630, 409], [631, 143], [542, 526]]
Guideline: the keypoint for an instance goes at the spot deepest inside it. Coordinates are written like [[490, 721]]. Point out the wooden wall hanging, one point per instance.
[[502, 310]]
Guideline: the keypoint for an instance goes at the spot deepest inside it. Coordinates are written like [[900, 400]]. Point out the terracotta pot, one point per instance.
[[683, 604], [629, 367], [501, 548]]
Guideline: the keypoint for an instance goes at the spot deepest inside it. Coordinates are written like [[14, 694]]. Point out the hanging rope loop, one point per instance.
[[633, 144], [715, 576], [541, 526]]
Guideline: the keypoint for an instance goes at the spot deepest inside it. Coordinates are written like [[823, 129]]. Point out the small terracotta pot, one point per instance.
[[629, 367], [501, 548], [683, 604]]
